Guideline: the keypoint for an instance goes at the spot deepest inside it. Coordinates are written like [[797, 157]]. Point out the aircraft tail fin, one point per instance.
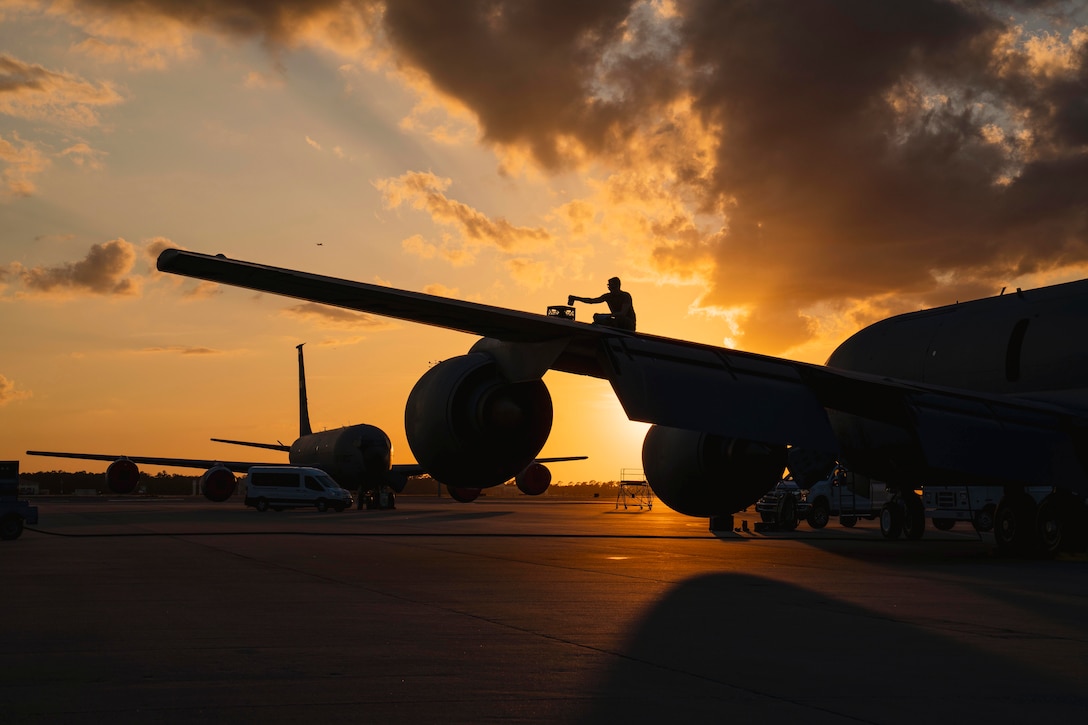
[[303, 407]]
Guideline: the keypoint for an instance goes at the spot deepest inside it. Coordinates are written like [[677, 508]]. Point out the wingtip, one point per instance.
[[166, 257]]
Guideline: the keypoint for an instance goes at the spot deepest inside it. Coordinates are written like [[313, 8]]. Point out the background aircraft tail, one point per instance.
[[303, 407]]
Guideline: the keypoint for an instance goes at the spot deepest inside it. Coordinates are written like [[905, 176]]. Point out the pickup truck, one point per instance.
[[783, 506], [847, 495]]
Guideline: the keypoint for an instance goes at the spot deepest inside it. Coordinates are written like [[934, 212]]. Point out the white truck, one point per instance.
[[945, 505], [848, 495]]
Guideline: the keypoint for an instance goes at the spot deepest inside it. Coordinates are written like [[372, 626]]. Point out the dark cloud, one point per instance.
[[917, 149]]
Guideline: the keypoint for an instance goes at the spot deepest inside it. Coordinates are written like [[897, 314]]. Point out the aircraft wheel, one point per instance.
[[262, 504], [391, 503], [891, 520], [848, 521], [321, 505], [1015, 530], [1051, 525], [914, 517], [984, 519], [819, 515], [944, 524], [11, 527]]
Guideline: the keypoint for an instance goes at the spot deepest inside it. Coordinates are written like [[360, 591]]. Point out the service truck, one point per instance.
[[848, 495], [945, 505]]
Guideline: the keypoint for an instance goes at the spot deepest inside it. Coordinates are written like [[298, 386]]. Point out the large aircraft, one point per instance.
[[988, 392], [357, 456]]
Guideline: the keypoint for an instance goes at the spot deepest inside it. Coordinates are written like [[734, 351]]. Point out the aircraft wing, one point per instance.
[[470, 317], [693, 386], [414, 469], [236, 466]]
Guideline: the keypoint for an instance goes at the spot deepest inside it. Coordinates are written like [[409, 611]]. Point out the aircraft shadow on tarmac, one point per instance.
[[732, 647]]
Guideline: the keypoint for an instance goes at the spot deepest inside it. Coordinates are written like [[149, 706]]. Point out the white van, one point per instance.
[[280, 487]]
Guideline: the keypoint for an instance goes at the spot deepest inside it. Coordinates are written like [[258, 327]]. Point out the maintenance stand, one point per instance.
[[634, 490]]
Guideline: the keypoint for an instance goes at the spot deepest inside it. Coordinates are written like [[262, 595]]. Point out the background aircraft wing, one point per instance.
[[236, 466], [414, 469]]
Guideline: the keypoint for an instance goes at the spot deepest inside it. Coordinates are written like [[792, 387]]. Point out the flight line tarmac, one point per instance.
[[522, 610]]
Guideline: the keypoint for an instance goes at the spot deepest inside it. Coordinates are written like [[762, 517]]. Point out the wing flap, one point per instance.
[[731, 394]]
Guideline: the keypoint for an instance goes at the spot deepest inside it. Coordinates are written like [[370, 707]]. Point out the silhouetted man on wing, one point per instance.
[[619, 304]]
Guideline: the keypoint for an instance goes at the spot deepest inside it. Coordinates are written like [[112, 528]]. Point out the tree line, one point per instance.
[[179, 484]]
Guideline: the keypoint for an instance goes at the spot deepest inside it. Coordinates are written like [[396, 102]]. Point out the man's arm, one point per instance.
[[571, 299]]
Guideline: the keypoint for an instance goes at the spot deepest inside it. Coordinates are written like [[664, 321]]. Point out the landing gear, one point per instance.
[[381, 499], [984, 519], [1014, 524], [914, 517], [1060, 524]]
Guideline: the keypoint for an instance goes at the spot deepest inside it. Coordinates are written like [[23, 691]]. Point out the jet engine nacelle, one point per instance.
[[534, 480], [123, 476], [469, 427], [218, 483], [702, 474]]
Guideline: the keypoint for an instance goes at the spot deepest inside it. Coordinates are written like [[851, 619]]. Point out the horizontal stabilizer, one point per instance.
[[268, 446]]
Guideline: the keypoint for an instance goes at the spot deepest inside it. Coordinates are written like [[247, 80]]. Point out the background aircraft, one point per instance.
[[356, 456], [985, 392]]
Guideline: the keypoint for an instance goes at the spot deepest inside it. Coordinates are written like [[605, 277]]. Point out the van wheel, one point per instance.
[[262, 504], [321, 505], [944, 524], [339, 507], [848, 521]]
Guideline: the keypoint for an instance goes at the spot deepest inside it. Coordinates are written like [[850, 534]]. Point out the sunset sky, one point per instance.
[[764, 175]]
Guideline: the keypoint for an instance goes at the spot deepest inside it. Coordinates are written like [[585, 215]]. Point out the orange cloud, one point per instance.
[[474, 229], [9, 394], [19, 161], [104, 271], [32, 92], [325, 316]]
